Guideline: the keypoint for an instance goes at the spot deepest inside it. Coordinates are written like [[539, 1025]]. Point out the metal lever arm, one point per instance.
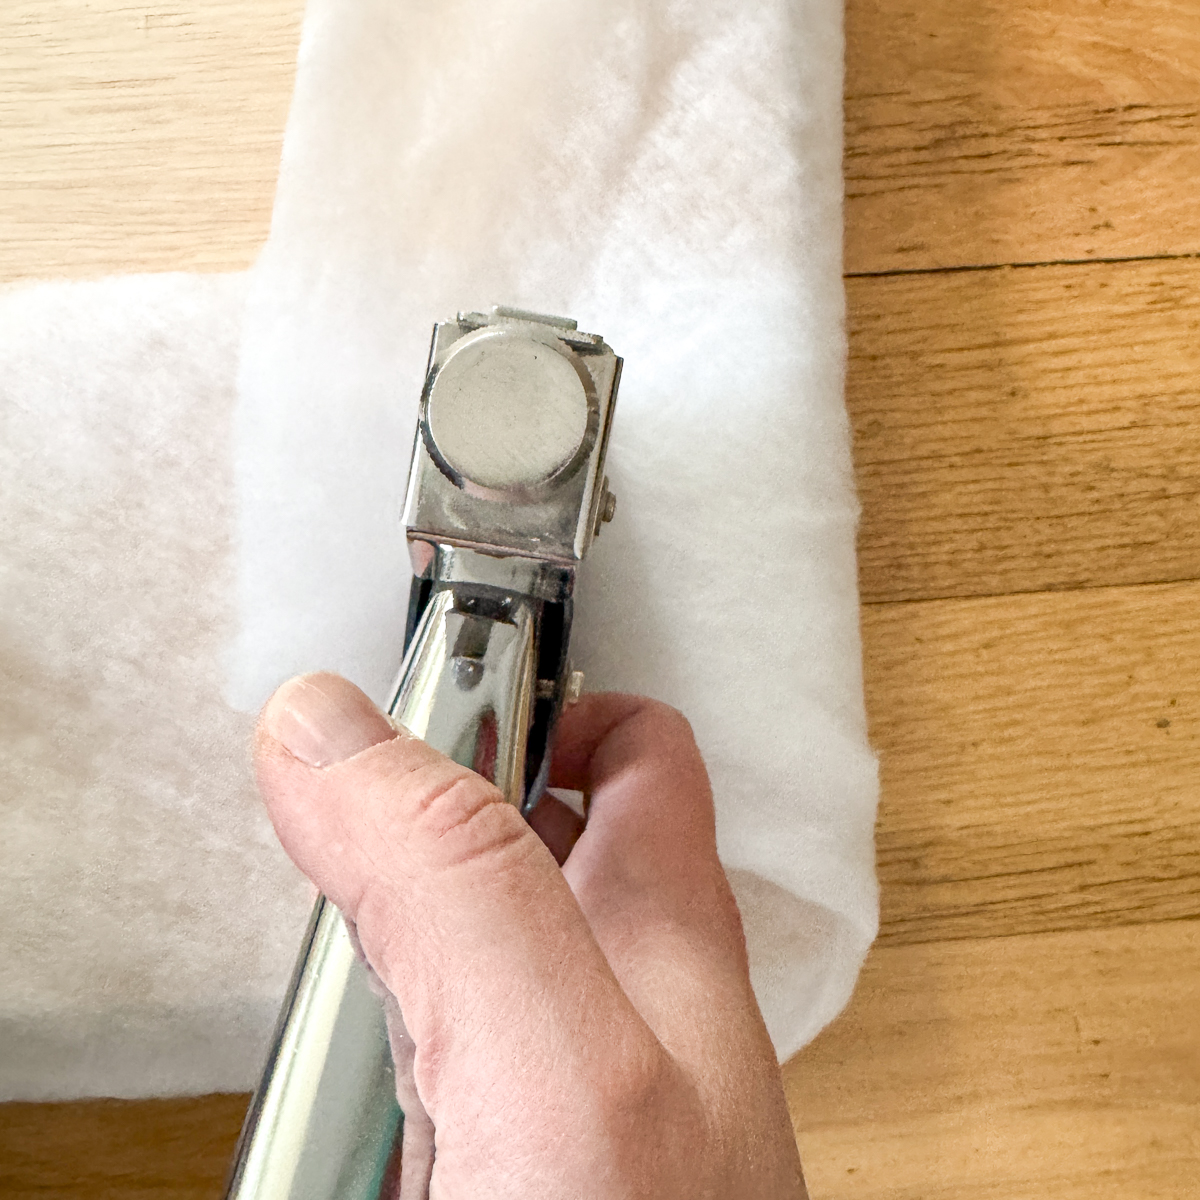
[[506, 492], [324, 1122]]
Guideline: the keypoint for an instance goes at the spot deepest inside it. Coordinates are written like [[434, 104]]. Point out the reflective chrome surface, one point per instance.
[[506, 491], [467, 686], [512, 434], [323, 1122], [490, 388], [533, 577]]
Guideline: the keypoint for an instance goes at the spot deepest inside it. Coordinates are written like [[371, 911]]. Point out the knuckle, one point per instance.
[[668, 723], [465, 817], [641, 1086], [667, 738]]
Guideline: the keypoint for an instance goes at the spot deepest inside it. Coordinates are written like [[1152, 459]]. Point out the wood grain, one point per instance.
[[1016, 431], [146, 136], [1060, 1065], [138, 136], [1023, 430], [1040, 759], [1063, 1066], [1008, 131], [177, 1149]]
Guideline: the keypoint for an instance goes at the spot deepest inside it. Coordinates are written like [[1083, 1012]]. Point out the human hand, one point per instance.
[[583, 1032]]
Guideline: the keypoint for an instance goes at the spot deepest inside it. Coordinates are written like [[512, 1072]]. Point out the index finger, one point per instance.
[[645, 869], [637, 762]]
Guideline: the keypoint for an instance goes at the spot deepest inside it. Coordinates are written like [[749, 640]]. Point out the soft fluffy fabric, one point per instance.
[[668, 174], [150, 918]]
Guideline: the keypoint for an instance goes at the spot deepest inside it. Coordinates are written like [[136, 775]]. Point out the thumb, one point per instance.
[[460, 908]]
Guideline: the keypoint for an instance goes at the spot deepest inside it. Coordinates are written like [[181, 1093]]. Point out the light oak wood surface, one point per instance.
[[1008, 131], [1020, 430], [140, 137], [1055, 1067], [1027, 449], [1040, 761]]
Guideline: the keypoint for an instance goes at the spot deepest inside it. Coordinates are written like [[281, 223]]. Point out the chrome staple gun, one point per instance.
[[505, 493]]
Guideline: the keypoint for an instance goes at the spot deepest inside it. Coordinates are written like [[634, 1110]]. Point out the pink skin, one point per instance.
[[583, 1032]]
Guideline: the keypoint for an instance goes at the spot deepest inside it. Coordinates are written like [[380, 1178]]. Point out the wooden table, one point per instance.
[[1023, 270]]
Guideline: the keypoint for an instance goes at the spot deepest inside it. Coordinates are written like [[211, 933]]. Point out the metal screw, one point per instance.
[[574, 686], [608, 507], [467, 672]]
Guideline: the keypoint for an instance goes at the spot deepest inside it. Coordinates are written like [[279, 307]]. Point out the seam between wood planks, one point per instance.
[[1020, 266], [964, 597]]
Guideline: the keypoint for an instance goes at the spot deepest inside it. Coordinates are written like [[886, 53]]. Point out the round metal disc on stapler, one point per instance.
[[507, 412]]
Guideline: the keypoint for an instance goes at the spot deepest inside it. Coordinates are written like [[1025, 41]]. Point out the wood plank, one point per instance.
[[1040, 761], [140, 137], [1021, 430], [1020, 131], [1028, 782], [1059, 1065], [1062, 1066], [176, 1149]]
